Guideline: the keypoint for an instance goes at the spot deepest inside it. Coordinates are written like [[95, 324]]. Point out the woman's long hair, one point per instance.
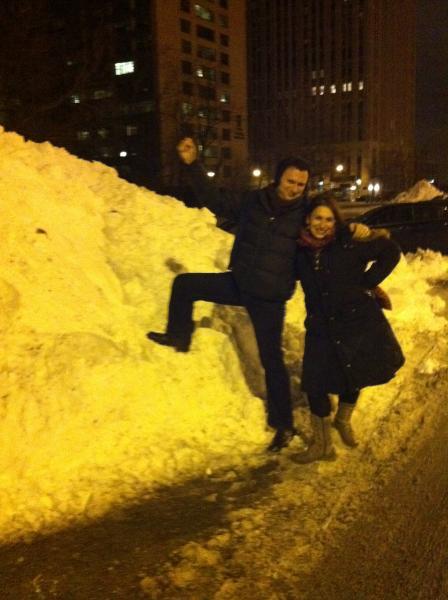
[[317, 201]]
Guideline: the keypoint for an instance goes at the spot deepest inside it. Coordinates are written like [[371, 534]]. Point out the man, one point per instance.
[[261, 274]]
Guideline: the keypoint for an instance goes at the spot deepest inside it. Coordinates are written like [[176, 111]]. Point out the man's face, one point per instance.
[[292, 184]]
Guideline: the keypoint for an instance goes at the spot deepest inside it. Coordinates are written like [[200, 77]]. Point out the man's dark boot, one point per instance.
[[166, 339], [281, 439]]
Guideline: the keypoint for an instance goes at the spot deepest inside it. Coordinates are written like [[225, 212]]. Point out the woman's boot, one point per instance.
[[321, 447], [342, 422]]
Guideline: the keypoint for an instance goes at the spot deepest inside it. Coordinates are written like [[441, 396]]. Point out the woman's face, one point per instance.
[[321, 222]]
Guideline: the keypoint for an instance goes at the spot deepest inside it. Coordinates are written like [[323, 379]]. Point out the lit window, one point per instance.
[[131, 130], [313, 74], [199, 72], [123, 153], [321, 90], [203, 12], [103, 133], [186, 108], [224, 97], [360, 85], [349, 86], [333, 88], [122, 68], [313, 90], [75, 99], [83, 135], [100, 94]]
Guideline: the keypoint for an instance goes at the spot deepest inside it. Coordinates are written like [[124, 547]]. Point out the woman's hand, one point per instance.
[[187, 150]]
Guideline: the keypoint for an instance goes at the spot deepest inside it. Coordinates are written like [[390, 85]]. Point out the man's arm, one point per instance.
[[223, 203]]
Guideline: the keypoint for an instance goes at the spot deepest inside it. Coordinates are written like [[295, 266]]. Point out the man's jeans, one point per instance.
[[267, 320]]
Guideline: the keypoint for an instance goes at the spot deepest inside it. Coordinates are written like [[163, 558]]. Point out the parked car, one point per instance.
[[413, 224]]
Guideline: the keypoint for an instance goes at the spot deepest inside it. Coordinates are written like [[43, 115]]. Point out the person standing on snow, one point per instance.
[[261, 274], [349, 343]]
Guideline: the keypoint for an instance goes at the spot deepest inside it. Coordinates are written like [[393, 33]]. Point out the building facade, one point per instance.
[[334, 81], [133, 76]]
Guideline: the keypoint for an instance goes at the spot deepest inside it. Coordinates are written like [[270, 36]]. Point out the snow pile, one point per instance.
[[92, 413], [422, 190]]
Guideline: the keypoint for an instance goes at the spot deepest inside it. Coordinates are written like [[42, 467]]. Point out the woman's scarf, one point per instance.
[[308, 241]]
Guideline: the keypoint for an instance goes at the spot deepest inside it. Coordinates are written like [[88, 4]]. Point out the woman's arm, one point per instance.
[[385, 255]]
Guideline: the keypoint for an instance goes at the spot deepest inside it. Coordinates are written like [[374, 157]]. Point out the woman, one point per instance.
[[349, 344]]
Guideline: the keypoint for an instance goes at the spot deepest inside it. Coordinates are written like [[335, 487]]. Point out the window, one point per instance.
[[226, 134], [224, 58], [131, 130], [203, 13], [75, 99], [226, 152], [207, 53], [206, 92], [360, 85], [185, 26], [211, 152], [103, 132], [225, 78], [224, 97], [100, 94], [187, 68], [223, 4], [206, 73], [186, 47], [333, 88], [123, 68], [224, 39], [187, 88], [185, 5], [83, 135], [205, 33], [186, 108], [223, 20], [225, 116], [227, 171]]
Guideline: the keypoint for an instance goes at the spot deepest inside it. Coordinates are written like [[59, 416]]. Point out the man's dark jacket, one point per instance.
[[263, 255]]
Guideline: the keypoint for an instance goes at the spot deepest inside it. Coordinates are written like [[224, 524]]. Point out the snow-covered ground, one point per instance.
[[93, 414]]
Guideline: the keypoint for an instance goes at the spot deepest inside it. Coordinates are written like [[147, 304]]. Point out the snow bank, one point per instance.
[[422, 190], [92, 413]]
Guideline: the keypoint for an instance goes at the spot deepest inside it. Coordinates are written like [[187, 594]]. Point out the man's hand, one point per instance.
[[359, 231], [187, 150]]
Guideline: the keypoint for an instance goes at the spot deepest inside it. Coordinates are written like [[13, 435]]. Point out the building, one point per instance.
[[334, 81], [132, 76]]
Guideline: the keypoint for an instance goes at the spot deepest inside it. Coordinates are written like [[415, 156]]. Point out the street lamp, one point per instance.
[[256, 172], [210, 174], [339, 168]]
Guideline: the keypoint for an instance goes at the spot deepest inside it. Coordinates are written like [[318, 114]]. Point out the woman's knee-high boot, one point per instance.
[[321, 447]]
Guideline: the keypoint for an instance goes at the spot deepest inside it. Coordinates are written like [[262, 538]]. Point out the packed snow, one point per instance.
[[422, 190], [94, 415]]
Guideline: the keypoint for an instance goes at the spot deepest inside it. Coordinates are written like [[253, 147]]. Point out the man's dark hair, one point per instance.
[[291, 161]]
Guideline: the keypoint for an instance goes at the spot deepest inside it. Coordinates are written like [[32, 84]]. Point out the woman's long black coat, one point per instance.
[[349, 343]]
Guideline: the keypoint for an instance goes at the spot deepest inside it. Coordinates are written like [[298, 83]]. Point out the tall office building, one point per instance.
[[132, 76], [334, 81]]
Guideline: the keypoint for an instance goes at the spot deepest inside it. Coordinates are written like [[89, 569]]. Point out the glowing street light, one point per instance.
[[211, 174], [256, 172], [358, 181], [339, 168]]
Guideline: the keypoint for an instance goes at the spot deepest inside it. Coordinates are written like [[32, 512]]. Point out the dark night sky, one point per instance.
[[432, 80]]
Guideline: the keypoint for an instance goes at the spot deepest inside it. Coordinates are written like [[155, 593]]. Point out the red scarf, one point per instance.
[[308, 241]]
